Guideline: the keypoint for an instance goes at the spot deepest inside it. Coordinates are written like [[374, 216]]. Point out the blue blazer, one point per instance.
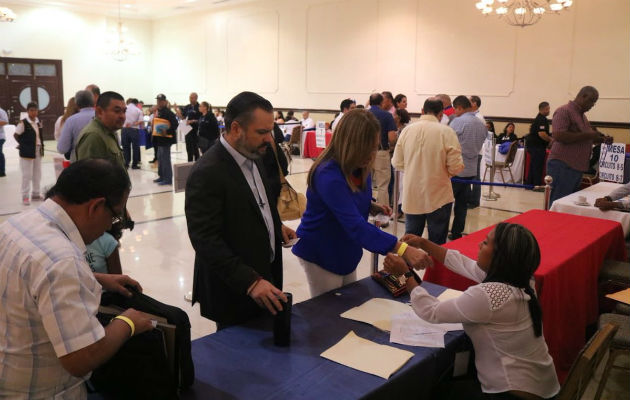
[[334, 229]]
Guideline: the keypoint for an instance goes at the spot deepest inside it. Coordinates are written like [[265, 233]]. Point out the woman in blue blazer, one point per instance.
[[334, 229]]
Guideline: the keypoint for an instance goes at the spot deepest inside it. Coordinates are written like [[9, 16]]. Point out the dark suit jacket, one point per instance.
[[228, 233]]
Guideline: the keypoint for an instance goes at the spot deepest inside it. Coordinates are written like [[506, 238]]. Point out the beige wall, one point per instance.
[[313, 53], [78, 40]]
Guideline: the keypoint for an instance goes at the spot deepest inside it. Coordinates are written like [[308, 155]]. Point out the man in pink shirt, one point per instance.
[[573, 140]]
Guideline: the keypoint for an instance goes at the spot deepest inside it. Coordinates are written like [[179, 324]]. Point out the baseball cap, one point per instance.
[[160, 97]]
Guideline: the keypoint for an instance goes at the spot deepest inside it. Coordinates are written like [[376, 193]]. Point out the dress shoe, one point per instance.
[[135, 167], [153, 161], [158, 180], [162, 183]]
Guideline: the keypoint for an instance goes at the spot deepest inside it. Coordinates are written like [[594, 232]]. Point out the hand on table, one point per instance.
[[267, 296]]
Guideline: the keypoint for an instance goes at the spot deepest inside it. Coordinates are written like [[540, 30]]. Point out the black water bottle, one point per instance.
[[282, 323]]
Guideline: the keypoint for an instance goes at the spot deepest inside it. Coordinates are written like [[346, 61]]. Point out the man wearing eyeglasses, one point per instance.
[[98, 138], [50, 338]]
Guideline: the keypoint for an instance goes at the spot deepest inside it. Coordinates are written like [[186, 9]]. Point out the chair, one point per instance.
[[586, 363], [620, 344], [615, 271], [296, 139], [503, 165]]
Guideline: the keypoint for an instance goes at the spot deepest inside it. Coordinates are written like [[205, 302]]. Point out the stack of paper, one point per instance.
[[364, 355]]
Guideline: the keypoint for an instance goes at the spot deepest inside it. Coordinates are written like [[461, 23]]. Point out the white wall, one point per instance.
[[78, 40], [313, 53]]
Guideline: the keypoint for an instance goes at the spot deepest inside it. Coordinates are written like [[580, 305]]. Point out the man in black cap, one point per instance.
[[164, 135]]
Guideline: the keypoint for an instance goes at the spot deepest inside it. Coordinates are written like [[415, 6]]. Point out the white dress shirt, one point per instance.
[[308, 123], [496, 317], [133, 116], [252, 175]]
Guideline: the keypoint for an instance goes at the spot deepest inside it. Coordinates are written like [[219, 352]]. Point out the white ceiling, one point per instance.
[[139, 9]]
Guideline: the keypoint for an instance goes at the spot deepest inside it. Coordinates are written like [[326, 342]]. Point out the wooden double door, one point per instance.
[[24, 80]]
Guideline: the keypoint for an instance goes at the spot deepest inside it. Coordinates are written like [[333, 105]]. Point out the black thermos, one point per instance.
[[282, 323]]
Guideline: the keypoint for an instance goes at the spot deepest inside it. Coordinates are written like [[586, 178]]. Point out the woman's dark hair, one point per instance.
[[403, 115], [399, 97], [506, 126], [515, 258], [89, 179], [491, 126]]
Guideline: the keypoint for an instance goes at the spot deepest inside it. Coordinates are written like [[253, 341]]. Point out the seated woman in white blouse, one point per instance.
[[501, 314]]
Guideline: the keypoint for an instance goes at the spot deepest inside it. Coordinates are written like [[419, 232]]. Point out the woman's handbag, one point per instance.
[[291, 203]]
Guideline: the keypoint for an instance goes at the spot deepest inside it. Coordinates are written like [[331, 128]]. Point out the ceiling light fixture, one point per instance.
[[522, 12], [7, 15], [118, 45]]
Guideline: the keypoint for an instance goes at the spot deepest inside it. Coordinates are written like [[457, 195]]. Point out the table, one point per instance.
[[567, 205], [572, 251], [310, 146], [517, 165], [241, 362]]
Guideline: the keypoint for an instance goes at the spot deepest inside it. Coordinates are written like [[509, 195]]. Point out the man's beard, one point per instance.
[[242, 148]]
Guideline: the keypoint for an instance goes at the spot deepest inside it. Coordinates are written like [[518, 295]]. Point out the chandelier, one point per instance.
[[7, 15], [117, 44], [521, 12]]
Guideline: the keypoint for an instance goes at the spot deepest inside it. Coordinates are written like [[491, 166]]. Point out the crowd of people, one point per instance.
[[56, 259]]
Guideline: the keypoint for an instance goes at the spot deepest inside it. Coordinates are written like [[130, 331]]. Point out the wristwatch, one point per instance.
[[411, 274]]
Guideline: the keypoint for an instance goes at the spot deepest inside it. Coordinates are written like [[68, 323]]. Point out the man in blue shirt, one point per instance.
[[382, 163], [74, 124], [471, 133]]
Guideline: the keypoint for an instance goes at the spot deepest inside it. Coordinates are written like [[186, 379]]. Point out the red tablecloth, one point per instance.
[[310, 148], [572, 251]]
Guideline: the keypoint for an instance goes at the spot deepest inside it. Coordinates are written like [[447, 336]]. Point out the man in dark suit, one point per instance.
[[233, 222]]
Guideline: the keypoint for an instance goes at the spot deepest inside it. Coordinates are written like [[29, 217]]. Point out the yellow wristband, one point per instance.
[[128, 321], [402, 248]]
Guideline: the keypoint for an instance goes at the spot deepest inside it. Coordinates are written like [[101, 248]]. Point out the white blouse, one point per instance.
[[508, 355]]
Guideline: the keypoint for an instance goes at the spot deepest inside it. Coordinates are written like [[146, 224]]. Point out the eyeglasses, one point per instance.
[[116, 218]]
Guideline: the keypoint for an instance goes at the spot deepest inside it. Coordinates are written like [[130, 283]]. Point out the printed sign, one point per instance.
[[320, 135], [611, 162]]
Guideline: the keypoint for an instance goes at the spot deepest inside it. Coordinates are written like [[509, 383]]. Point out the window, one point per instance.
[[45, 70], [20, 69]]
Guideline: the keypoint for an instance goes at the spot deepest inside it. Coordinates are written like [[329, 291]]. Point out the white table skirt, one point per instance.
[[517, 165], [567, 205]]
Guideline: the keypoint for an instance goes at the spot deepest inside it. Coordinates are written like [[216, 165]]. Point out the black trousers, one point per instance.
[[192, 146], [461, 192], [536, 165]]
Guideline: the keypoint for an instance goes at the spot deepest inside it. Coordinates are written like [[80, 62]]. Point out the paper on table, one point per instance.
[[409, 329], [449, 294], [377, 312], [622, 296], [364, 355]]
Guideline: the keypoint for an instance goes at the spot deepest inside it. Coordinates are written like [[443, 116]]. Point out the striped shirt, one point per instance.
[[570, 118], [48, 303]]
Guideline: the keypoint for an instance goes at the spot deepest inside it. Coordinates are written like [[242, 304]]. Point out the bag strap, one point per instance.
[[275, 155]]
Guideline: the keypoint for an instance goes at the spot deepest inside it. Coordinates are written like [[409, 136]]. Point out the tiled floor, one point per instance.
[[159, 255]]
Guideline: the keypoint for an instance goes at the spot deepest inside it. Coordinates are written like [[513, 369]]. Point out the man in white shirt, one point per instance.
[[31, 147], [130, 136], [429, 154], [345, 106], [50, 338], [307, 122]]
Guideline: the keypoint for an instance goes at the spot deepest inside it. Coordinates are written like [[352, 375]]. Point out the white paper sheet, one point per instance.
[[449, 294], [377, 312], [409, 329], [364, 355]]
